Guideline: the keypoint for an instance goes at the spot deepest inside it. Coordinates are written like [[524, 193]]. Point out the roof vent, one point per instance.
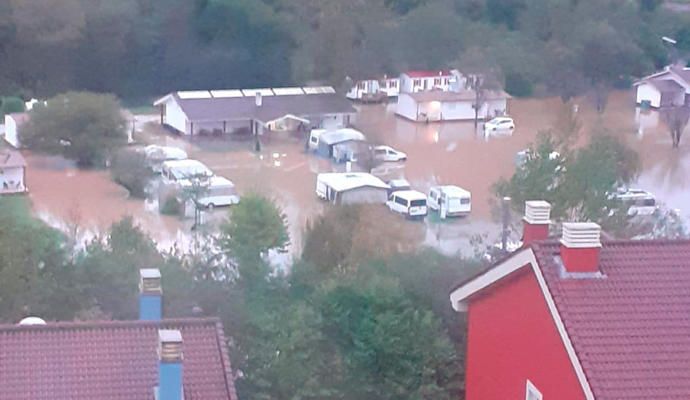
[[258, 99], [28, 321], [580, 247], [150, 281], [169, 345]]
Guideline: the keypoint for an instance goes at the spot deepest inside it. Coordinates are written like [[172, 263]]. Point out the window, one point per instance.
[[418, 203], [532, 393], [437, 81], [464, 200], [417, 82], [393, 84], [446, 81], [401, 201]]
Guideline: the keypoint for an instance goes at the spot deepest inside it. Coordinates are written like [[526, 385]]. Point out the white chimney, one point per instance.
[[259, 100], [580, 246]]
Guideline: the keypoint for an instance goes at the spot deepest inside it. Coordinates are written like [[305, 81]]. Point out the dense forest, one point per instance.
[[140, 48]]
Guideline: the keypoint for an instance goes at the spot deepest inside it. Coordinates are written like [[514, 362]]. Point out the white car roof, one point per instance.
[[454, 191], [410, 195], [212, 181], [340, 181], [165, 152], [398, 183], [182, 168]]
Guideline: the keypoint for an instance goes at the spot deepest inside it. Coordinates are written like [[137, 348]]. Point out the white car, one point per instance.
[[386, 153], [499, 124], [409, 203]]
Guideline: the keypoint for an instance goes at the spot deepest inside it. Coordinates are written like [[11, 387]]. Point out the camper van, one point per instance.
[[351, 188], [450, 201], [218, 192], [639, 202], [178, 171], [410, 203], [156, 155], [314, 138]]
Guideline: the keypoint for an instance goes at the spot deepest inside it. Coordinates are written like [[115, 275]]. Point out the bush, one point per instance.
[[11, 105], [171, 206], [130, 170]]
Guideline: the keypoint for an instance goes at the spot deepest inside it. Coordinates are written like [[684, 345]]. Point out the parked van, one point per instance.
[[450, 201], [410, 203], [218, 192], [178, 171]]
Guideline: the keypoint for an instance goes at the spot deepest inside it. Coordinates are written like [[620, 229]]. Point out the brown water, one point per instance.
[[446, 153]]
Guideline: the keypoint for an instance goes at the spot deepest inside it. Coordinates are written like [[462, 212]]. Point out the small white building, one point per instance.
[[351, 188], [12, 172], [434, 106], [420, 81], [374, 89], [667, 88], [13, 124]]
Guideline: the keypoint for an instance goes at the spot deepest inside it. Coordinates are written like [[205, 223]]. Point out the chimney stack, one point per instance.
[[536, 221], [580, 246], [258, 98], [169, 365], [150, 294]]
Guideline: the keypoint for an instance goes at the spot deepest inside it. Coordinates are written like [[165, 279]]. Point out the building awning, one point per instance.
[[287, 116]]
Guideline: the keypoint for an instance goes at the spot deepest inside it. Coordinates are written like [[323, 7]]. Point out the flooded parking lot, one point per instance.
[[438, 153]]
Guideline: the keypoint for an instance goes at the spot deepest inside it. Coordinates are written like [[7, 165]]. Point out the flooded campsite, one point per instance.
[[86, 202]]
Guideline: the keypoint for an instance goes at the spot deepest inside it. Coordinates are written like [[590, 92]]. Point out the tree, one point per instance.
[[129, 169], [578, 184], [482, 78], [11, 105], [84, 127], [676, 118], [255, 226]]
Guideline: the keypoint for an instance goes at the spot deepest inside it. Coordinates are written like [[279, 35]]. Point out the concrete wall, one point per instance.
[[12, 180], [406, 107], [175, 117], [647, 91], [11, 131]]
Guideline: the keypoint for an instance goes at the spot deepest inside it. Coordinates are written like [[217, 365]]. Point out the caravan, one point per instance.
[[216, 192], [450, 201], [178, 171]]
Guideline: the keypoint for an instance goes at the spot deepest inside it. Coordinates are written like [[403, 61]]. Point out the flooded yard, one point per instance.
[[438, 153]]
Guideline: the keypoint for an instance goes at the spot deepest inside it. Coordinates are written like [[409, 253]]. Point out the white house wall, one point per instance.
[[406, 107], [11, 131], [175, 117], [12, 180], [647, 92], [457, 110]]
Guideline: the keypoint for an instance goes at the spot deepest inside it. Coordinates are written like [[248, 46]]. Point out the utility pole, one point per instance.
[[505, 204]]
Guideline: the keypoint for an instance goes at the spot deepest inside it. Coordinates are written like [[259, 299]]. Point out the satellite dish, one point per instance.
[[32, 321]]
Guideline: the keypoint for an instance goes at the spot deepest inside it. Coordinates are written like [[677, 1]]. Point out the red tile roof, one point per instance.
[[631, 327], [109, 360], [427, 74]]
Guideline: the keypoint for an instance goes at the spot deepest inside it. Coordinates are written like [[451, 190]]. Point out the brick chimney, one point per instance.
[[535, 223], [580, 247], [169, 365], [150, 294]]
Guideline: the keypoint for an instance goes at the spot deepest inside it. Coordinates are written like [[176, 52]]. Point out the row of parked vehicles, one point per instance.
[[191, 179], [363, 188]]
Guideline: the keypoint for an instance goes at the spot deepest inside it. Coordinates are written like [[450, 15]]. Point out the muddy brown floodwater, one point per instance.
[[438, 153]]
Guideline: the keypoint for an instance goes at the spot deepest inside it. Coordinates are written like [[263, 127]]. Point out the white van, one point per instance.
[[410, 203], [639, 202], [314, 136], [218, 192], [450, 201]]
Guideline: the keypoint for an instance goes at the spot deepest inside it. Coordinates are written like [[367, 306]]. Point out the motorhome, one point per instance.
[[216, 192], [351, 188], [450, 201], [638, 202], [179, 171], [156, 155], [409, 203]]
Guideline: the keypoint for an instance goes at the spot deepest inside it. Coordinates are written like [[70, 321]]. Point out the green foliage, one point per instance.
[[129, 169], [35, 278], [109, 268], [171, 206], [84, 127], [578, 184], [518, 85], [255, 226], [11, 105]]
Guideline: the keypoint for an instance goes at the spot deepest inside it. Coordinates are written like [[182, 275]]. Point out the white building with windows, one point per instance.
[[374, 89], [432, 106]]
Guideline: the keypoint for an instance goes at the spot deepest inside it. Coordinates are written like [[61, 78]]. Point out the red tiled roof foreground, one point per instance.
[[631, 328], [109, 360]]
